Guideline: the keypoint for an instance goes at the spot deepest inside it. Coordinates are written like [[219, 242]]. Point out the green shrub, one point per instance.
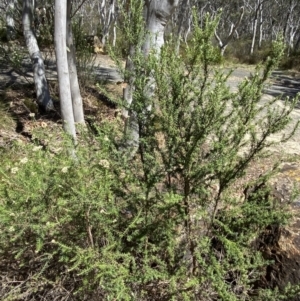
[[291, 61], [85, 57], [195, 144], [239, 51], [166, 225], [59, 224]]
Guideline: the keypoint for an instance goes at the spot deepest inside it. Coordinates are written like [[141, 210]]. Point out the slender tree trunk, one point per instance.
[[253, 36], [114, 35], [255, 26], [260, 26], [10, 22], [60, 25], [182, 17], [291, 40], [43, 96], [131, 125], [75, 90], [109, 18], [233, 28], [188, 29], [157, 13]]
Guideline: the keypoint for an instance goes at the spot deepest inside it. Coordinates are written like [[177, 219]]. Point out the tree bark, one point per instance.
[[156, 13], [74, 85], [42, 92], [182, 17], [60, 25], [254, 30], [260, 26], [233, 28], [10, 22], [108, 19]]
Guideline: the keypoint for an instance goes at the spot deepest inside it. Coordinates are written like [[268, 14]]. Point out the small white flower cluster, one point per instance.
[[15, 169], [36, 148], [104, 163], [24, 160], [65, 169]]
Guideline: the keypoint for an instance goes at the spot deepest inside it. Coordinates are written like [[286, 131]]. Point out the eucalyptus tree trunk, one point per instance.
[[260, 26], [254, 30], [42, 91], [114, 35], [108, 18], [156, 14], [10, 22], [60, 28], [184, 8], [131, 125], [74, 85], [223, 44], [291, 25]]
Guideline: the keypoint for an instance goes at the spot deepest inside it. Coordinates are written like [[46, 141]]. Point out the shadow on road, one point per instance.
[[283, 86]]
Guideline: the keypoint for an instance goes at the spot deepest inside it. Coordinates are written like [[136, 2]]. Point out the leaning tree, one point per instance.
[[42, 91]]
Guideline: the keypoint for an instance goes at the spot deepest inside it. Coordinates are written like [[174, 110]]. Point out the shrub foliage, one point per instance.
[[166, 225]]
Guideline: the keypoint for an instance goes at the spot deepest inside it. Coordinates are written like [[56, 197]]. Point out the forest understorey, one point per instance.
[[279, 245]]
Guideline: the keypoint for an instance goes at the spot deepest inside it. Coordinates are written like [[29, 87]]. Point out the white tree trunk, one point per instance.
[[75, 90], [182, 18], [260, 26], [43, 96], [157, 13], [131, 125], [109, 19], [233, 28], [114, 35], [253, 37], [10, 22], [255, 26], [60, 26]]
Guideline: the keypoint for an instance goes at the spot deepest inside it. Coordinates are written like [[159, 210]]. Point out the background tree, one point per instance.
[[184, 22], [257, 17], [42, 91], [10, 22], [156, 15], [233, 27], [108, 17], [74, 85], [60, 38]]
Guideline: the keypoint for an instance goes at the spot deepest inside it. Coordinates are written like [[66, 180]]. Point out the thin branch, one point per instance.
[[78, 8], [218, 39], [235, 26]]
